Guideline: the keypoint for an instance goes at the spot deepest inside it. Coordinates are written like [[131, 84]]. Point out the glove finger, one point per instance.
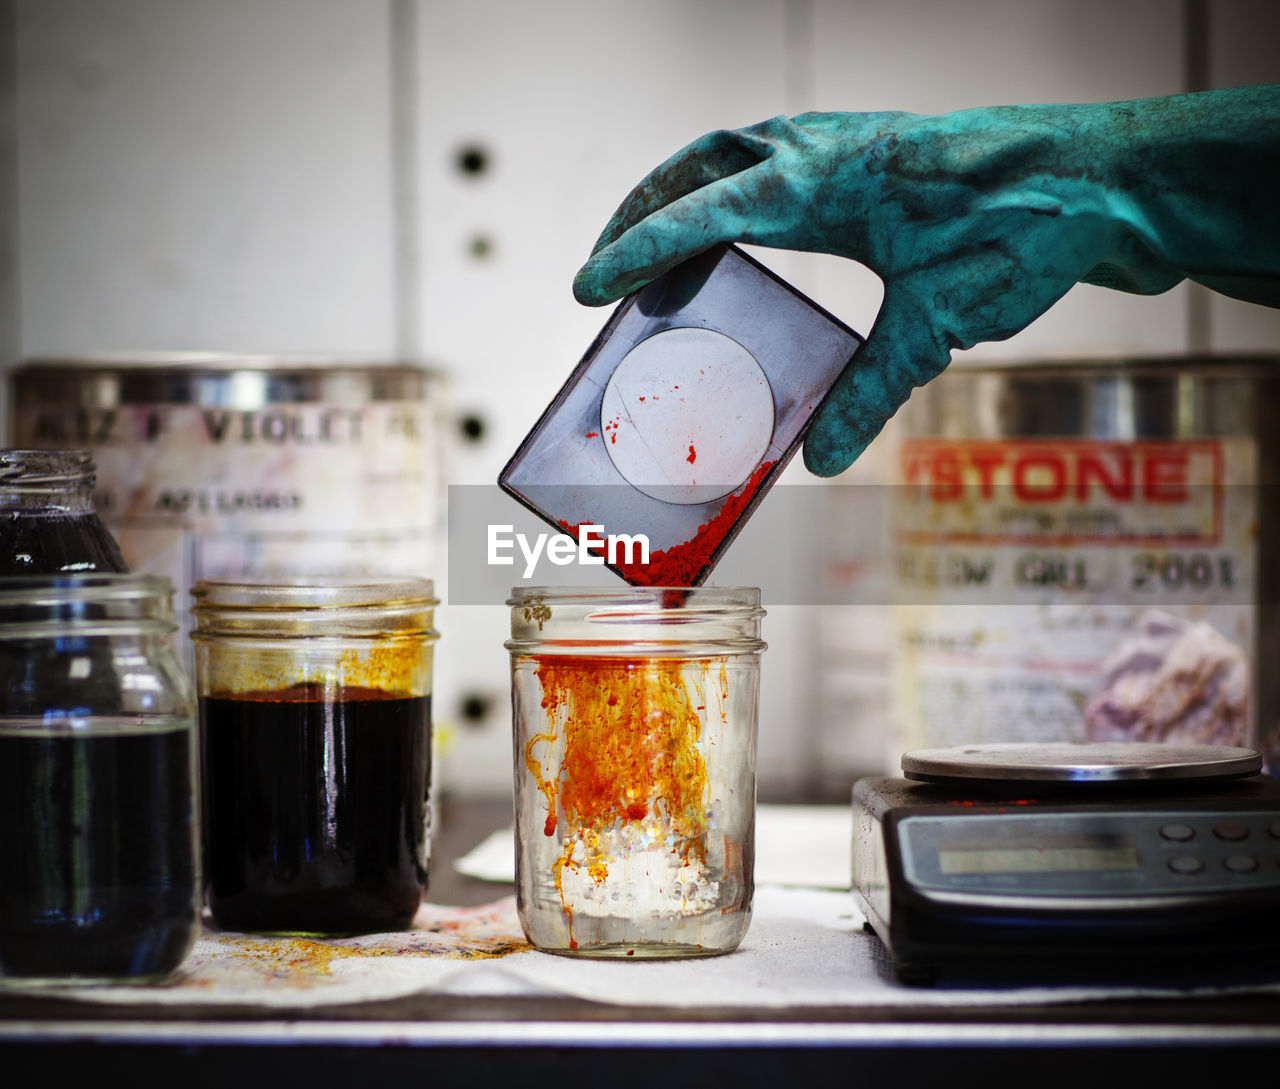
[[902, 352], [728, 210], [716, 155], [1133, 268], [991, 296]]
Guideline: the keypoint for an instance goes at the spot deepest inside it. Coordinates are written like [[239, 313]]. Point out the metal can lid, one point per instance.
[[216, 361], [1083, 762]]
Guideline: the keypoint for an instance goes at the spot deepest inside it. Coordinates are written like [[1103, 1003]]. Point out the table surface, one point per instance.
[[532, 1037]]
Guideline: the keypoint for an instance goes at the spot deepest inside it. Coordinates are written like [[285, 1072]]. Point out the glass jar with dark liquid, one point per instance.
[[48, 523], [315, 711], [100, 871]]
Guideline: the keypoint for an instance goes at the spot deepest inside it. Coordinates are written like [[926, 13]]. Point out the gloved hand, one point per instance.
[[976, 221]]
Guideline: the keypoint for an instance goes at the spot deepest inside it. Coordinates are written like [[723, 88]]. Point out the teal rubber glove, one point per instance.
[[977, 221]]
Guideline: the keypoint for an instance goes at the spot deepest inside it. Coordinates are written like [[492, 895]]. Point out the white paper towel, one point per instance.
[[805, 949]]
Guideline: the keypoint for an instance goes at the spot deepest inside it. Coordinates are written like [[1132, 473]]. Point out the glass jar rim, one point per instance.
[[86, 602], [661, 597], [61, 587], [311, 592], [677, 621]]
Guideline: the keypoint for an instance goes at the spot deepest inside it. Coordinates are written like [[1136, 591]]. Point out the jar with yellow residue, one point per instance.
[[635, 746], [315, 716]]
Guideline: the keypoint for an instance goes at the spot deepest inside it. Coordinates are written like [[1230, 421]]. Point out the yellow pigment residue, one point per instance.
[[300, 959]]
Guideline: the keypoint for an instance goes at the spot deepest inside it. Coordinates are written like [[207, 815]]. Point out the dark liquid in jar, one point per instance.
[[98, 870], [316, 809], [51, 542]]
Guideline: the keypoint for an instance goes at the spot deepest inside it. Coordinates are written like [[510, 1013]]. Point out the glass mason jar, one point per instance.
[[635, 744], [97, 771], [47, 519], [315, 715]]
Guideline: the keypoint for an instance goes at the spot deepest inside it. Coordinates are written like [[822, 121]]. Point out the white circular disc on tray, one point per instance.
[[687, 415]]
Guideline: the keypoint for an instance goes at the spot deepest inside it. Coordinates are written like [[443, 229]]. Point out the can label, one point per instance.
[[193, 491], [1074, 589]]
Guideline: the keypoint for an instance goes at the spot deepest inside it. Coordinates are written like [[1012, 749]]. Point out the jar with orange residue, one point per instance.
[[315, 716], [635, 747]]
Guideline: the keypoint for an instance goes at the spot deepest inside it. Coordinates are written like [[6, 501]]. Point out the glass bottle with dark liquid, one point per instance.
[[48, 523], [315, 709], [97, 770]]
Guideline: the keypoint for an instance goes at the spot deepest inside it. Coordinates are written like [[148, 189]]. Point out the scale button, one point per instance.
[[1231, 831], [1273, 829], [1240, 863], [1179, 833], [1185, 864]]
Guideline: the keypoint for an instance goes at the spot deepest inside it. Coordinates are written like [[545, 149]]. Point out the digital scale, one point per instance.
[[1068, 860]]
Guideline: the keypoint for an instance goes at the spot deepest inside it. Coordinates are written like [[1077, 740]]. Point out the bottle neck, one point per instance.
[[56, 482]]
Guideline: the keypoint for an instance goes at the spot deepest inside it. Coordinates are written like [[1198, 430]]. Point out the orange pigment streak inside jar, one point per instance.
[[631, 728]]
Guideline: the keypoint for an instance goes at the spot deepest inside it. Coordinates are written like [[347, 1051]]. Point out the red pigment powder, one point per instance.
[[681, 564]]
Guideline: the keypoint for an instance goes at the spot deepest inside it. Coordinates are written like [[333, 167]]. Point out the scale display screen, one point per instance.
[[1037, 854], [1055, 854]]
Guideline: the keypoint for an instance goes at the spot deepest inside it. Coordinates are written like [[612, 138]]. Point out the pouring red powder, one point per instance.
[[680, 565]]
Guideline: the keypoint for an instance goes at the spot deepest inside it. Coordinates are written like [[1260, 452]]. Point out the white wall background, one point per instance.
[[9, 345], [282, 175]]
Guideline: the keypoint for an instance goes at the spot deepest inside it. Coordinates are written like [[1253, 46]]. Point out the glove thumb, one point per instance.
[[903, 351]]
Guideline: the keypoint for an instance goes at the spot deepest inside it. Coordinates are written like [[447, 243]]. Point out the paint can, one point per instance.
[[212, 464], [1085, 550]]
